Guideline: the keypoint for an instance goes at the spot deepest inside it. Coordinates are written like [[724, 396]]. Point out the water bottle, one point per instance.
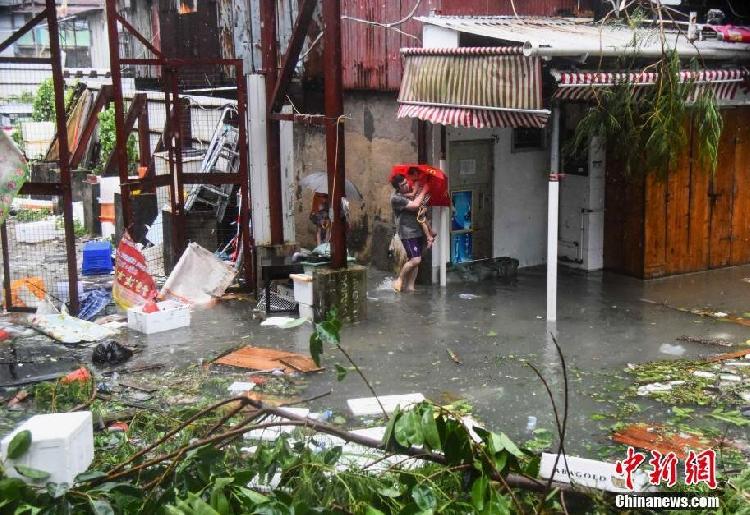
[[531, 424]]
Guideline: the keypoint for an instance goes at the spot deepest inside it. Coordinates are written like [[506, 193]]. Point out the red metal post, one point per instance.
[[178, 213], [273, 136], [245, 236], [64, 154], [334, 109], [291, 56], [120, 153]]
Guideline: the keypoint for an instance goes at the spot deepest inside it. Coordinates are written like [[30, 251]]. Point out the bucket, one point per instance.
[[107, 211], [108, 228]]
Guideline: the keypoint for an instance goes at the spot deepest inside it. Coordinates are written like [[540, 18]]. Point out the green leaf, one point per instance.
[[389, 491], [329, 331], [424, 497], [340, 372], [390, 427], [102, 507], [492, 333], [429, 429], [373, 511], [332, 455], [502, 442], [31, 473], [19, 444], [532, 468], [57, 489], [478, 492], [89, 476], [316, 348]]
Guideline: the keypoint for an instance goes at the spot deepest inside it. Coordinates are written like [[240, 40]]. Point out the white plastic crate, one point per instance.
[[303, 288], [171, 315], [61, 444]]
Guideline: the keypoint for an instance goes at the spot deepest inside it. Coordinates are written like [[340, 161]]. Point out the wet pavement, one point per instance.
[[605, 321]]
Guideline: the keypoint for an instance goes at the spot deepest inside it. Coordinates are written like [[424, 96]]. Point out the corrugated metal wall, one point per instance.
[[371, 58]]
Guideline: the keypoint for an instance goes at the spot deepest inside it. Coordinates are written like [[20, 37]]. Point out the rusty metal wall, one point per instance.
[[371, 59]]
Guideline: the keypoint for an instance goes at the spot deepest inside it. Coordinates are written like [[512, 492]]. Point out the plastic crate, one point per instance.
[[61, 444], [97, 258]]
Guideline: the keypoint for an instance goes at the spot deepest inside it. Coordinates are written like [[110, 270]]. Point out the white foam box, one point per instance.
[[171, 315], [303, 288], [371, 406], [34, 232], [61, 444], [306, 311]]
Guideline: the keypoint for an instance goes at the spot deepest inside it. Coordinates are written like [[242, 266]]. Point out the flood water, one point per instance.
[[409, 341]]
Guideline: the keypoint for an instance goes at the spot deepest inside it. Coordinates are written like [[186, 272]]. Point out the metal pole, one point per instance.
[[64, 154], [178, 215], [552, 216], [245, 184], [273, 139], [121, 138], [334, 108], [445, 222]]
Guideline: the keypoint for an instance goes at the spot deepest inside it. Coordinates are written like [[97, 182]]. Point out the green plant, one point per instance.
[[43, 105], [654, 119], [17, 137], [107, 139], [32, 215]]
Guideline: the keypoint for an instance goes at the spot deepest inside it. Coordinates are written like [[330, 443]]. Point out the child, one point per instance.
[[422, 212]]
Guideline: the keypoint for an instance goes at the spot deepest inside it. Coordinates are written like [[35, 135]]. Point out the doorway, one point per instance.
[[470, 173]]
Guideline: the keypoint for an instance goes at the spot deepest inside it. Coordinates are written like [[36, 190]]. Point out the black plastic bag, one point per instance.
[[110, 353]]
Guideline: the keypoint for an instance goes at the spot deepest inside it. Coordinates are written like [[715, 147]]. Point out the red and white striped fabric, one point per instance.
[[472, 87], [472, 118], [584, 86]]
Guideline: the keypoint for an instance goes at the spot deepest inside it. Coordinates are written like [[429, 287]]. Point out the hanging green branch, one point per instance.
[[646, 128]]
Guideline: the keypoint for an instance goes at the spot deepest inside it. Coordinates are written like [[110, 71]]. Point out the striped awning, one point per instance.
[[472, 87], [584, 86]]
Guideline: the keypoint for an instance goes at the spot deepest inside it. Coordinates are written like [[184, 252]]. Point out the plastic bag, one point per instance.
[[12, 173], [110, 353], [199, 277]]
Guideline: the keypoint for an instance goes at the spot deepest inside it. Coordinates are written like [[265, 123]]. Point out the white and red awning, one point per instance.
[[472, 87], [585, 85]]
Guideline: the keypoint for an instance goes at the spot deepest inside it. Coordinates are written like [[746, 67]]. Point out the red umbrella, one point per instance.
[[433, 178]]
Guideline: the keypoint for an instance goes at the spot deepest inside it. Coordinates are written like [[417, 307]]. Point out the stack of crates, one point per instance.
[[97, 258]]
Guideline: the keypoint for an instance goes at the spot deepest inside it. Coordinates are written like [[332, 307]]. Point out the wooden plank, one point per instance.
[[623, 221], [678, 214], [655, 227], [257, 358], [720, 196], [698, 219], [741, 192]]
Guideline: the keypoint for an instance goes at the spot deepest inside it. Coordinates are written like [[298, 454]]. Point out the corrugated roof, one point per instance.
[[576, 37]]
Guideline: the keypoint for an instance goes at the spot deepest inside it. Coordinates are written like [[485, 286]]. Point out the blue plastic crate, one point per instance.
[[97, 258]]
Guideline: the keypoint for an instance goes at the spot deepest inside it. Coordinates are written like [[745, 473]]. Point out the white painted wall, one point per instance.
[[439, 37], [520, 196], [581, 236]]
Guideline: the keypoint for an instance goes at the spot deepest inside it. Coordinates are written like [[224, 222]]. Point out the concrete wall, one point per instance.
[[520, 196], [375, 141]]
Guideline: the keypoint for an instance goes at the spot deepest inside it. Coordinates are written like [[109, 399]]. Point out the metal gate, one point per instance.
[[34, 248], [193, 186]]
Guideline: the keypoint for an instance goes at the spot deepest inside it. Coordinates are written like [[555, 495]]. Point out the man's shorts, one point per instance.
[[413, 247]]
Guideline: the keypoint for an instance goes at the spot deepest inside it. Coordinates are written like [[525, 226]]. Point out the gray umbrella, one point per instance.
[[318, 182]]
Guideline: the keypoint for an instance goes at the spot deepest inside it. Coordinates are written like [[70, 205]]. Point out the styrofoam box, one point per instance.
[[306, 311], [171, 315], [34, 232], [303, 288], [61, 444]]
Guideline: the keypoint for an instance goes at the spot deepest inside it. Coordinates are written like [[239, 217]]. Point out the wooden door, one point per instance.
[[721, 194]]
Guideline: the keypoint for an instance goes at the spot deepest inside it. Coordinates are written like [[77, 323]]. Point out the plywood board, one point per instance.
[[720, 231], [741, 193], [257, 358]]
